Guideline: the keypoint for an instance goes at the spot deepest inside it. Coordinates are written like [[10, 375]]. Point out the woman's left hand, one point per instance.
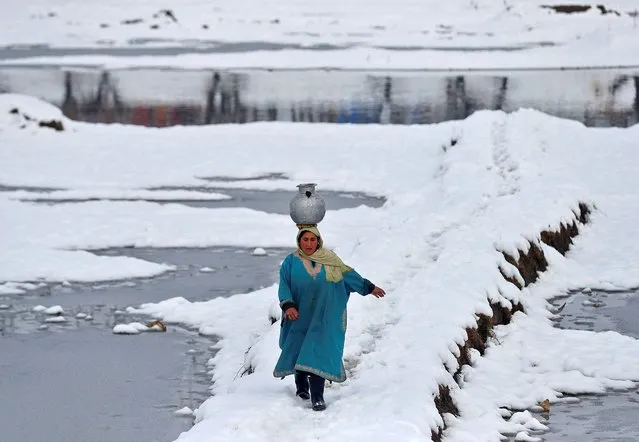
[[378, 292]]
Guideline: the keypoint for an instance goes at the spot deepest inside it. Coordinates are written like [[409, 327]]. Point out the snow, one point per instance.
[[426, 34], [357, 34], [184, 411], [435, 246], [134, 328], [12, 288], [525, 437], [54, 310], [30, 111], [56, 319]]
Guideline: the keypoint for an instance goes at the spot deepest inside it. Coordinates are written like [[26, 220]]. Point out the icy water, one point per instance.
[[270, 202], [170, 47], [597, 418], [80, 382], [75, 380]]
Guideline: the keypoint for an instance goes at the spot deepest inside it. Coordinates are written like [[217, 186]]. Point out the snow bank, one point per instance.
[[28, 113]]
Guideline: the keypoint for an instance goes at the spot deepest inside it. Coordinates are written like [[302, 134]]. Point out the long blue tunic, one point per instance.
[[315, 341]]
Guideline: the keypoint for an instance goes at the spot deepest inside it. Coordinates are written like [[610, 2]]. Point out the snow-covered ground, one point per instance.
[[458, 194], [302, 33]]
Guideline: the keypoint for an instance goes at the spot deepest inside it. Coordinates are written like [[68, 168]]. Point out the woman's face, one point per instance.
[[308, 243]]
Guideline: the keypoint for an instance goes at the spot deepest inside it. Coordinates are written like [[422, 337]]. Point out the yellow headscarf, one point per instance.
[[335, 267]]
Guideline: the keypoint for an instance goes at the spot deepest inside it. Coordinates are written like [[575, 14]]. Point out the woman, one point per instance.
[[314, 289]]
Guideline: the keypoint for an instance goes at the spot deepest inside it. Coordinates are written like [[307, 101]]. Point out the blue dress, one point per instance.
[[315, 341]]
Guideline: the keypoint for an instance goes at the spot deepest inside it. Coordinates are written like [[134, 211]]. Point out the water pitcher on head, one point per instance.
[[307, 207]]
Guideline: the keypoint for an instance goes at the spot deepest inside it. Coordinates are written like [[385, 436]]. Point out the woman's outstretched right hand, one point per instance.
[[291, 314]]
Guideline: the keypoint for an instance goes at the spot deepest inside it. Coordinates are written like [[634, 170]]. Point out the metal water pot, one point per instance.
[[307, 207]]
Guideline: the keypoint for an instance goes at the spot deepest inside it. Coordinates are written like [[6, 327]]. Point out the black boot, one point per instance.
[[301, 383], [317, 392]]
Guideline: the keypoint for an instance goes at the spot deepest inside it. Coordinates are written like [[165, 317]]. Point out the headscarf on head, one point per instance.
[[335, 267]]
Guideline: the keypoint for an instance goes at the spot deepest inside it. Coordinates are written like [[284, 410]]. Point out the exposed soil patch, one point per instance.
[[133, 21], [162, 13], [529, 264], [444, 404], [165, 13], [576, 9], [53, 124], [26, 120]]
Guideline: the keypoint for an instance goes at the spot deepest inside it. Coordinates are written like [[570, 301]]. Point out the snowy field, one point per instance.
[[372, 34], [459, 194]]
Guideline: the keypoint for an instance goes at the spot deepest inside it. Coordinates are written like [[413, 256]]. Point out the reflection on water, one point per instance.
[[596, 418], [79, 381], [164, 97], [611, 417], [200, 275], [77, 377], [275, 201], [598, 310]]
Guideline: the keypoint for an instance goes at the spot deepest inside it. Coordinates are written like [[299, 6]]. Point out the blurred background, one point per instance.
[[165, 97]]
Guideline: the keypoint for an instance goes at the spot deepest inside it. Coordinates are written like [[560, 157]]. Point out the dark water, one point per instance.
[[597, 418], [138, 47], [600, 311], [81, 382], [610, 417], [77, 381], [200, 275], [270, 202]]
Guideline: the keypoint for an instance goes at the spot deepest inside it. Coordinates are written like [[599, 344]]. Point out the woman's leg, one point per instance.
[[317, 392], [301, 384]]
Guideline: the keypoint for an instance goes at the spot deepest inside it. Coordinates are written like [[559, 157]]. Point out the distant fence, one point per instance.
[[159, 97]]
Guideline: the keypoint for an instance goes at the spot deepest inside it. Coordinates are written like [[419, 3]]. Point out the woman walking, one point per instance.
[[314, 289]]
